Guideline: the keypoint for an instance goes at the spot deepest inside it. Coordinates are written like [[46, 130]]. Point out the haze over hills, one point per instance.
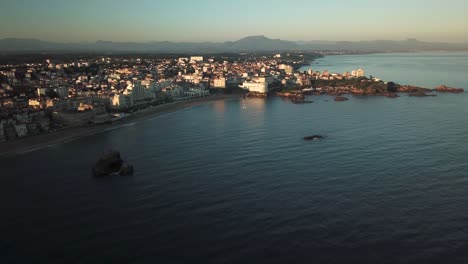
[[247, 44]]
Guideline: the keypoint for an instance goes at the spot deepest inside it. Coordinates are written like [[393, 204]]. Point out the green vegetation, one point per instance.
[[392, 87], [359, 83]]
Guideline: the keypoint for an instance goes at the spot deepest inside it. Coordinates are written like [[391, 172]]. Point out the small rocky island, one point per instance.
[[111, 163], [445, 89], [358, 86]]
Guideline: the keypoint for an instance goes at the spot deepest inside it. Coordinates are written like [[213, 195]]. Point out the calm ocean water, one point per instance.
[[217, 183], [429, 69]]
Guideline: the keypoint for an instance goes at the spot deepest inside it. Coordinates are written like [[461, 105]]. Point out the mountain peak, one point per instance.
[[256, 37], [248, 44]]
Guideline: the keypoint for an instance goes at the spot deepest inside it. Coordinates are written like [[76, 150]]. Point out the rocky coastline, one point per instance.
[[389, 90], [445, 89]]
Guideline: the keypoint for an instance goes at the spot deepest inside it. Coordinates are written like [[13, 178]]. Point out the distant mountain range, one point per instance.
[[247, 44]]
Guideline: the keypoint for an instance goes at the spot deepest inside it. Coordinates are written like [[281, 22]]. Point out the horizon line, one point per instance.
[[208, 41]]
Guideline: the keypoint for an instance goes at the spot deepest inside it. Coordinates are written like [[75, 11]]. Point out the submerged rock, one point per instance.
[[111, 163], [314, 137], [302, 102], [340, 99], [421, 94], [392, 95]]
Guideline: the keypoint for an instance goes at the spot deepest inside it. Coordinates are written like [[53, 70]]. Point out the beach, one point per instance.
[[32, 143]]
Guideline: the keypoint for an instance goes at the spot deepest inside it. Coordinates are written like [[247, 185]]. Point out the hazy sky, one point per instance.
[[221, 20]]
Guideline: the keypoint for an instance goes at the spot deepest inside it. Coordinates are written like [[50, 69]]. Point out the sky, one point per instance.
[[228, 20]]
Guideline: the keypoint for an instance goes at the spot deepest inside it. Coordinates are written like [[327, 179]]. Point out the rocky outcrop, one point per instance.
[[296, 97], [445, 89], [391, 95], [126, 169], [292, 94], [412, 89], [356, 91], [314, 137], [111, 163], [255, 94], [421, 94], [340, 99], [297, 101]]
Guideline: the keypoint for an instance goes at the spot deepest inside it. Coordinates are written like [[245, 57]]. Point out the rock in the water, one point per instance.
[[341, 98], [111, 163], [412, 89], [126, 169], [421, 94], [314, 137], [392, 95]]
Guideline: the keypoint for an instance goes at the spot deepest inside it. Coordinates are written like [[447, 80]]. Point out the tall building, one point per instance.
[[139, 91], [358, 73], [121, 101], [287, 68]]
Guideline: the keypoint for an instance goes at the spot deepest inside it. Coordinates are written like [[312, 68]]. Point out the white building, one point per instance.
[[196, 59], [255, 87], [287, 68], [121, 101], [41, 91], [182, 60], [192, 78], [139, 91], [263, 79], [173, 91], [219, 82], [358, 73], [197, 92], [34, 103]]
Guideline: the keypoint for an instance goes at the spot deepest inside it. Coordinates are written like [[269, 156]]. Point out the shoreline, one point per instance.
[[33, 143]]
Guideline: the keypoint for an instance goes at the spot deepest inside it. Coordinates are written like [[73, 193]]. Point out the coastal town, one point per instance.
[[46, 95]]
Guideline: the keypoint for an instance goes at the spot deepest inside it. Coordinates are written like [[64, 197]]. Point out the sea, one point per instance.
[[234, 182]]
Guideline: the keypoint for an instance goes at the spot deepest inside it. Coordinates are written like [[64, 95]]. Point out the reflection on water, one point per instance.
[[258, 104], [219, 106]]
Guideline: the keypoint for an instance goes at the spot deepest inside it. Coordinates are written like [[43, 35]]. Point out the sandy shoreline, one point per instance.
[[29, 144]]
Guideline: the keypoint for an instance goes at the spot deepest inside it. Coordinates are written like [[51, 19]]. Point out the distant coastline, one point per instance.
[[33, 143], [397, 66], [258, 43]]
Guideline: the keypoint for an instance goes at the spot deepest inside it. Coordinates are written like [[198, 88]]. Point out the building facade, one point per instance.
[[255, 87]]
